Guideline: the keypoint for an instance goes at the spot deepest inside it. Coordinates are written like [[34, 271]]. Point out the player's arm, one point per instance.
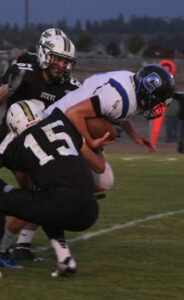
[[4, 93], [131, 132], [10, 82], [78, 114], [95, 159]]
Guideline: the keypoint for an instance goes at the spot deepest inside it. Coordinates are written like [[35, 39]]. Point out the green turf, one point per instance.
[[137, 262]]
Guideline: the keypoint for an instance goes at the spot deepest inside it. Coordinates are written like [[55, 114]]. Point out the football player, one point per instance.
[[52, 153], [118, 96], [47, 80]]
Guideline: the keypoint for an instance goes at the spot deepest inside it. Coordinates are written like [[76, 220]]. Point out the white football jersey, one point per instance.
[[115, 92]]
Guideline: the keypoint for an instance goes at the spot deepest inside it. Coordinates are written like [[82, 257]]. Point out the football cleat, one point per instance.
[[7, 262], [65, 268], [23, 252]]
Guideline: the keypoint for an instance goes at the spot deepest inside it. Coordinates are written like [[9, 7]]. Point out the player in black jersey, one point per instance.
[[54, 155], [47, 80]]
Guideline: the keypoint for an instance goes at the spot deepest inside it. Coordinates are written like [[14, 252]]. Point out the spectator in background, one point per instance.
[[171, 122], [179, 96]]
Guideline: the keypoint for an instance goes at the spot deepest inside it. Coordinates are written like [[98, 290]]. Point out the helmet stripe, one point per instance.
[[57, 31], [27, 111], [66, 44]]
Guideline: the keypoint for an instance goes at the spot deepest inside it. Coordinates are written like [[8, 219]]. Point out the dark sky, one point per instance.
[[50, 11]]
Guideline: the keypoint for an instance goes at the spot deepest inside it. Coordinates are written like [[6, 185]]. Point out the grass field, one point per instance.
[[138, 255]]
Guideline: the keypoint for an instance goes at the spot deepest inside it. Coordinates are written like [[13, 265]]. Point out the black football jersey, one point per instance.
[[50, 153], [33, 86]]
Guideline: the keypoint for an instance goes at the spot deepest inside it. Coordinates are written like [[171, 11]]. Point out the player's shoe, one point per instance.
[[65, 268], [24, 252], [7, 262]]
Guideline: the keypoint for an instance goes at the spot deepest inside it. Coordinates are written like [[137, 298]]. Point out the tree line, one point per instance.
[[110, 32]]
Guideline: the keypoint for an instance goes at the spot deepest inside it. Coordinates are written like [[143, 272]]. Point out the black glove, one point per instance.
[[15, 78]]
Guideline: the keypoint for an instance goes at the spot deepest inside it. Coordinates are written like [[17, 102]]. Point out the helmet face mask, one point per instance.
[[24, 114], [60, 47], [154, 89], [59, 67]]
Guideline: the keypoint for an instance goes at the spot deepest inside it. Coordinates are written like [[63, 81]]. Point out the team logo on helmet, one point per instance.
[[152, 81]]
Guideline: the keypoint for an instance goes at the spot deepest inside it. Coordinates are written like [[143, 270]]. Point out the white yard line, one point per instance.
[[130, 158], [104, 231]]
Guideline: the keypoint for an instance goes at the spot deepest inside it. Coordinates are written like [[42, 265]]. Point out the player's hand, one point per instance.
[[143, 142], [100, 142], [14, 79]]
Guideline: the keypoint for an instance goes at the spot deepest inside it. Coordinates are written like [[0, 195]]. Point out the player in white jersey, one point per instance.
[[118, 96], [115, 90]]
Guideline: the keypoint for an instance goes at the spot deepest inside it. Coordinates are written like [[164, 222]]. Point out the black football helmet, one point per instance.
[[154, 89]]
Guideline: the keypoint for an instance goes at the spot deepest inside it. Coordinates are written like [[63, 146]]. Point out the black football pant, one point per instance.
[[55, 210]]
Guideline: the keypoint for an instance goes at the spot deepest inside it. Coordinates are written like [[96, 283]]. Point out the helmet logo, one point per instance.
[[49, 45], [152, 81]]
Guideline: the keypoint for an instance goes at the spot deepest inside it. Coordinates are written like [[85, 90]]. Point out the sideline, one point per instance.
[[133, 223]]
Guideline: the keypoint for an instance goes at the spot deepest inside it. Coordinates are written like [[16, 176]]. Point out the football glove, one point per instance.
[[14, 78]]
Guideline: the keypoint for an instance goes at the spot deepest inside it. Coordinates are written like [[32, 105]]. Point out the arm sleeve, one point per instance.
[[96, 105]]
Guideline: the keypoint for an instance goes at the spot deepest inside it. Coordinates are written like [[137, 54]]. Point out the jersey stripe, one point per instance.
[[123, 94]]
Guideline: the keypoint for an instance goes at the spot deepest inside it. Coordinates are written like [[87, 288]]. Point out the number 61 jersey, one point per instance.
[[34, 86], [50, 153]]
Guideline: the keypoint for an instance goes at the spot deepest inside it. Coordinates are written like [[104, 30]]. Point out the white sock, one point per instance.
[[6, 240], [61, 249], [25, 236]]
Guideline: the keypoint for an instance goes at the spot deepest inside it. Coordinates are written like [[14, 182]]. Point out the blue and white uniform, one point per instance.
[[112, 95]]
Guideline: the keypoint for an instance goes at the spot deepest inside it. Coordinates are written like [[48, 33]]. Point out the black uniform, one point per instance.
[[33, 85], [62, 197], [28, 57]]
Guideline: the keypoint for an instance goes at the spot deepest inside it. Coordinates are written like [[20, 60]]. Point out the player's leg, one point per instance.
[[6, 235], [23, 248], [67, 209], [66, 264], [9, 234], [105, 180]]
